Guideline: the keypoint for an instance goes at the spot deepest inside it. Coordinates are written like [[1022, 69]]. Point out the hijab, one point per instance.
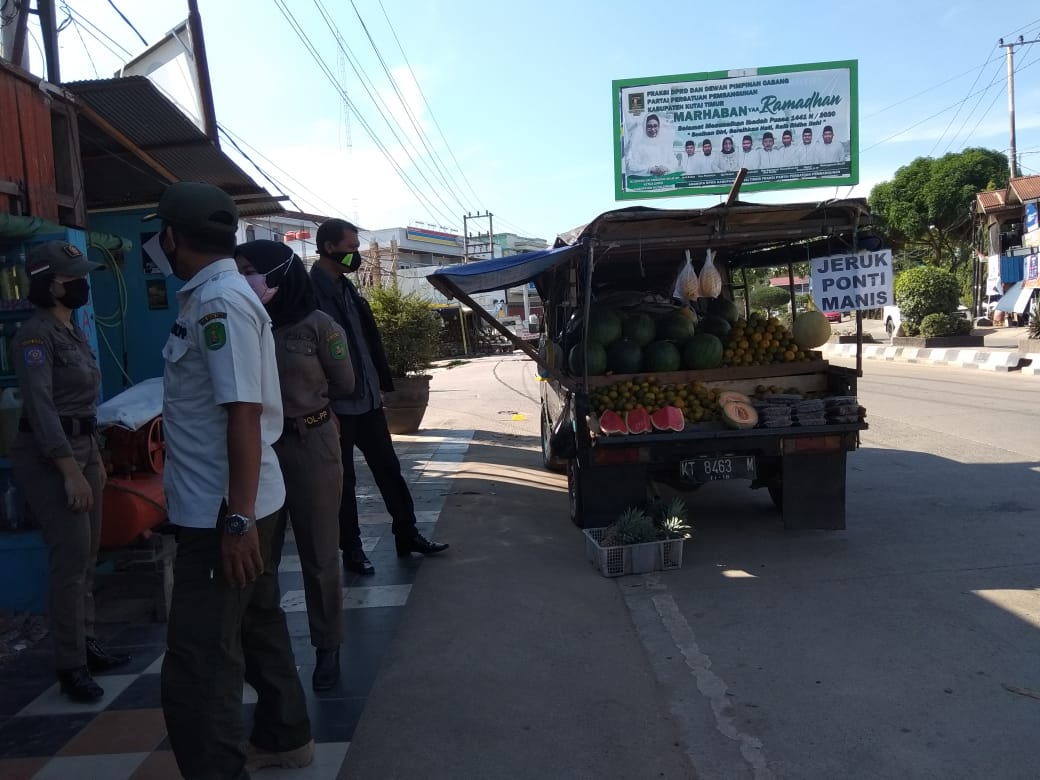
[[282, 269]]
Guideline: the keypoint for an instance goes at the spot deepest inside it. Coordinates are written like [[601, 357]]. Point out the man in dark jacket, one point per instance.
[[362, 422]]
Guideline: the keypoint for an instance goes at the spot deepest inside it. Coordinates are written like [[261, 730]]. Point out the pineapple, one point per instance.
[[672, 520], [633, 527]]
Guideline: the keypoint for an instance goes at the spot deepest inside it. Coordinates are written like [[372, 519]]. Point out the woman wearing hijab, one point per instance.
[[313, 368], [729, 160]]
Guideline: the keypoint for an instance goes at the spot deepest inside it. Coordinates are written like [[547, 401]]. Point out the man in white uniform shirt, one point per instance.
[[222, 411], [829, 151], [768, 156], [807, 152], [749, 157], [787, 150]]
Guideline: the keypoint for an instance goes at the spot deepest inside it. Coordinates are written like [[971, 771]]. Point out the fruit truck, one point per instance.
[[654, 376]]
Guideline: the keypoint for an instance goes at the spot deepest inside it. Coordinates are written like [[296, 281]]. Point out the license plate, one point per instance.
[[713, 469]]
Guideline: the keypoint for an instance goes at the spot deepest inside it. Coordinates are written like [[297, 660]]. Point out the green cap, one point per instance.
[[193, 204], [59, 257]]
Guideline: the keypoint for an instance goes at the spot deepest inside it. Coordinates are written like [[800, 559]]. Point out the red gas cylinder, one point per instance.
[[131, 508]]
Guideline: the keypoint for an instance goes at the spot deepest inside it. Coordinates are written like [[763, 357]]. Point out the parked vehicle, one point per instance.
[[628, 261]]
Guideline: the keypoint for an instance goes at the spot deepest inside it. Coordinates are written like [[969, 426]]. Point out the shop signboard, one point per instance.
[[852, 282], [789, 126], [1030, 271]]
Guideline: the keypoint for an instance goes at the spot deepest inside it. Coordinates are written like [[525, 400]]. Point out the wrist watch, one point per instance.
[[237, 525]]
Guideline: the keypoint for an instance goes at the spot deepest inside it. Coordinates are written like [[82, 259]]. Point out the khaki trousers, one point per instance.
[[313, 474], [218, 636], [72, 540]]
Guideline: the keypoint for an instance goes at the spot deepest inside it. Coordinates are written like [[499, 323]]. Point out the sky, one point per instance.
[[507, 107]]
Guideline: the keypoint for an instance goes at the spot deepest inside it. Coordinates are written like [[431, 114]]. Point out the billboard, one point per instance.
[[790, 126]]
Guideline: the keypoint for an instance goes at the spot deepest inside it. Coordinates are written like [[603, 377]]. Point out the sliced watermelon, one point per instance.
[[638, 421], [611, 422], [668, 418]]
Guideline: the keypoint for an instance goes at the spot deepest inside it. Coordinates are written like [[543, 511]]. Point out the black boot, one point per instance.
[[417, 543], [326, 669], [78, 685], [100, 660]]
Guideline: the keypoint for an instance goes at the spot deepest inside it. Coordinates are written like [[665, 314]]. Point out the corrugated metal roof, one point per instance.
[[134, 107], [1026, 188]]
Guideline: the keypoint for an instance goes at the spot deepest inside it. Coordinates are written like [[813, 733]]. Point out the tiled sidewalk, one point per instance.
[[46, 737]]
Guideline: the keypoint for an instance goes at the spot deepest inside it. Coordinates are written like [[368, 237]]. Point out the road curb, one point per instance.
[[998, 360]]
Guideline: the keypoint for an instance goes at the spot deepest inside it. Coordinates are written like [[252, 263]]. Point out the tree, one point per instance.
[[925, 291], [770, 298], [926, 208]]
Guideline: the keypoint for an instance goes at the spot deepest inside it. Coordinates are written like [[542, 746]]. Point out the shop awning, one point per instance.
[[1016, 299]]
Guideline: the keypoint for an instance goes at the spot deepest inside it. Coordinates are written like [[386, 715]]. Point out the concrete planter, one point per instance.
[[1029, 346], [406, 405], [850, 339], [939, 342]]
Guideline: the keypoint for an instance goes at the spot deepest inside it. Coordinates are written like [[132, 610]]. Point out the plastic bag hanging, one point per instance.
[[687, 285], [711, 279]]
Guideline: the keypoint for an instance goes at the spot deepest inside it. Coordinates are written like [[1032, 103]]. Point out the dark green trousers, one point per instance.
[[218, 636]]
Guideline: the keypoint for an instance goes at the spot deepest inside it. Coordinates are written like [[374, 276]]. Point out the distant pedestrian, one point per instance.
[[222, 413], [313, 368], [362, 422], [56, 461]]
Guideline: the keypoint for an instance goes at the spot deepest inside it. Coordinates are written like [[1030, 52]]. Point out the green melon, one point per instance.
[[625, 356], [725, 308], [661, 356], [604, 326], [811, 329], [715, 325], [597, 360], [704, 350], [675, 327], [639, 328]]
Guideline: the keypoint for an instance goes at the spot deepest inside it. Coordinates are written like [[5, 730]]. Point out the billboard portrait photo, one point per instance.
[[789, 126]]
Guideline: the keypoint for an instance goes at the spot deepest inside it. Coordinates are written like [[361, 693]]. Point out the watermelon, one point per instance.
[[597, 363], [604, 326], [668, 418], [725, 308], [625, 356], [737, 414], [637, 421], [675, 327], [611, 422], [640, 328], [661, 356], [702, 351], [716, 326], [811, 329]]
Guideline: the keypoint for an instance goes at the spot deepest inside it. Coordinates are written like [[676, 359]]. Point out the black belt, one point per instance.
[[312, 420], [73, 426]]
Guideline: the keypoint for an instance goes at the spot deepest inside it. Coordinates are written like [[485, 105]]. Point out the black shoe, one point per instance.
[[100, 660], [326, 669], [78, 685], [357, 562], [417, 543]]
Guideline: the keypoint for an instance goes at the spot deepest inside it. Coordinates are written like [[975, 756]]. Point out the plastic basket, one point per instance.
[[632, 558]]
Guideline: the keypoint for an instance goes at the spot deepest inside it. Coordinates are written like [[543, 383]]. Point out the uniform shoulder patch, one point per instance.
[[213, 315], [33, 353], [215, 335], [336, 345]]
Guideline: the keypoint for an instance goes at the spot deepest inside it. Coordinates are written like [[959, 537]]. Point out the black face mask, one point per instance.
[[77, 293], [350, 260]]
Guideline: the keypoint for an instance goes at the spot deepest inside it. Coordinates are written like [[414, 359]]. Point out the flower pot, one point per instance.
[[406, 404]]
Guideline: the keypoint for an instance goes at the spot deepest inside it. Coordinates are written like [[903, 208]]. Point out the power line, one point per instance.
[[993, 80], [380, 105], [128, 23], [301, 34], [96, 31], [953, 119]]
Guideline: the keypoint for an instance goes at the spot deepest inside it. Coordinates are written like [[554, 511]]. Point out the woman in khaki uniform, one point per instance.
[[55, 457], [313, 368]]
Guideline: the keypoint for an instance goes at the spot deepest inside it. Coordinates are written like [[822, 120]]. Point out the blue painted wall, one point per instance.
[[131, 333]]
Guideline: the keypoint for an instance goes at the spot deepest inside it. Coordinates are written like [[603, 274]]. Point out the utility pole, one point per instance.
[[1010, 47]]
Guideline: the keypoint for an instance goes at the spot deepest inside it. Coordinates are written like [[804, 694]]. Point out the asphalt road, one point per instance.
[[906, 646]]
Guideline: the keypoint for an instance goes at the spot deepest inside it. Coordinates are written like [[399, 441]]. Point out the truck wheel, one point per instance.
[[776, 493], [549, 460], [574, 493]]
